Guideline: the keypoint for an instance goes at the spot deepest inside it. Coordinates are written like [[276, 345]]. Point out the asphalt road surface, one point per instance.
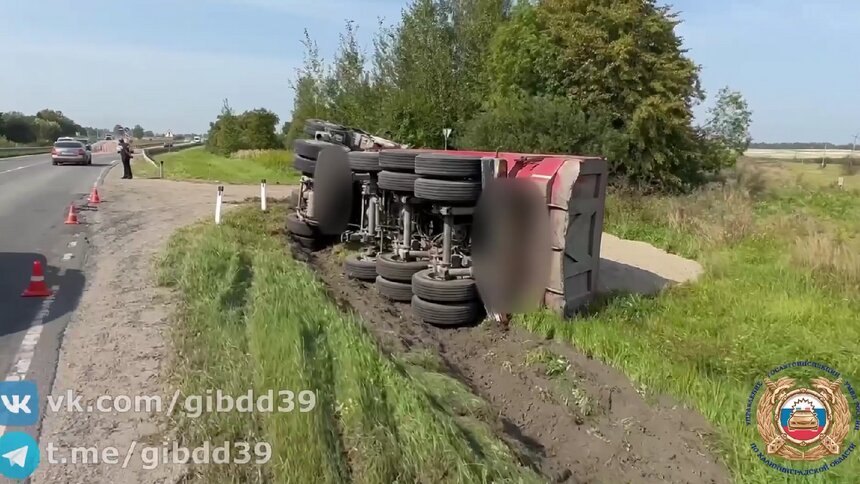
[[34, 201]]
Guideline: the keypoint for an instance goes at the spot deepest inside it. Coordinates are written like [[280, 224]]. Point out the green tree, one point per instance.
[[729, 121], [347, 87], [309, 101], [47, 131], [620, 60], [537, 124], [67, 126], [258, 129], [19, 128], [148, 134], [137, 131], [225, 134]]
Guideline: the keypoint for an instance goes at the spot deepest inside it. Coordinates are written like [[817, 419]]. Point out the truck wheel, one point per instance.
[[299, 227], [392, 268], [310, 148], [426, 286], [456, 191], [395, 291], [397, 181], [398, 160], [364, 161], [446, 314], [361, 268], [304, 165], [447, 166], [309, 243]]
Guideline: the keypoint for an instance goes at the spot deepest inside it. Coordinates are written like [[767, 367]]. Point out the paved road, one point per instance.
[[34, 201]]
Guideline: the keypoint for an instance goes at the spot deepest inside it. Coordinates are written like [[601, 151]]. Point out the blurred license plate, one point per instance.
[[69, 153]]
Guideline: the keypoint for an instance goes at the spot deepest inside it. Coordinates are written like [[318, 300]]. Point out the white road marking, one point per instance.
[[20, 168], [67, 256], [73, 243], [27, 350]]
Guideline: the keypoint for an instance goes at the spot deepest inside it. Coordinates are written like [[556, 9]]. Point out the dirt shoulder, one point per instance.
[[572, 417], [115, 343]]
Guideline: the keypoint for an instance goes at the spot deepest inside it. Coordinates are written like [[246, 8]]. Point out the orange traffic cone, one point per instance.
[[94, 196], [37, 287], [72, 219]]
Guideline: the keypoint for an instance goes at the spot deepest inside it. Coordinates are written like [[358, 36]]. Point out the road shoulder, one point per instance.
[[116, 343]]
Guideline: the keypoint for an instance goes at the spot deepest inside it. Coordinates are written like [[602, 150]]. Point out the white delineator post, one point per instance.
[[263, 195], [218, 205]]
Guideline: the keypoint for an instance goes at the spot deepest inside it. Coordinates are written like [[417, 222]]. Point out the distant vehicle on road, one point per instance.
[[66, 138], [108, 137], [71, 152], [197, 139]]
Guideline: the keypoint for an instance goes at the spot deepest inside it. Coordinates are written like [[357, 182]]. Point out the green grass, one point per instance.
[[252, 317], [198, 164], [781, 285], [810, 173]]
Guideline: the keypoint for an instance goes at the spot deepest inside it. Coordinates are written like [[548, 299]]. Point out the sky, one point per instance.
[[168, 64]]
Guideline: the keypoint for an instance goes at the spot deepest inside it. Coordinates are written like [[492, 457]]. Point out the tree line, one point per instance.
[[596, 77], [44, 127]]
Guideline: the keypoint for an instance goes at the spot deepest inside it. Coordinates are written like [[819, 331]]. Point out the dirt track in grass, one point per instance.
[[583, 424]]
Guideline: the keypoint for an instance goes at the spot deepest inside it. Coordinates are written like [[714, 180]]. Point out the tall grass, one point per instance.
[[198, 164], [252, 317]]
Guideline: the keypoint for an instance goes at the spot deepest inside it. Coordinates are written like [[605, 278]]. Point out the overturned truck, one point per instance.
[[457, 234]]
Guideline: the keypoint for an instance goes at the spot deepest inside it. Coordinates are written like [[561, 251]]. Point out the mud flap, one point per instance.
[[333, 191]]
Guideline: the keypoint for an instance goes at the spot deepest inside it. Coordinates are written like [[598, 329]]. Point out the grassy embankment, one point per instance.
[[782, 256], [275, 166], [251, 317]]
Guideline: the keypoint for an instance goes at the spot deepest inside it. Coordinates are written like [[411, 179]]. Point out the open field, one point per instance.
[[797, 154], [198, 164], [805, 173]]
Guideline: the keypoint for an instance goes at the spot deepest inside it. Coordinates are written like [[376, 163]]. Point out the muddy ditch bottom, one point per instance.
[[572, 418]]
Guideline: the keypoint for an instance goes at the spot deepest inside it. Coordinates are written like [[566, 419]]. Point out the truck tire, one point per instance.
[[309, 243], [447, 314], [457, 290], [455, 191], [310, 148], [393, 269], [447, 165], [393, 290], [396, 181], [304, 165], [398, 160], [363, 269], [299, 227], [364, 161]]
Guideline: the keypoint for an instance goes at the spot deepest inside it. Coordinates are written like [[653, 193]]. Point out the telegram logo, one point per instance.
[[19, 455]]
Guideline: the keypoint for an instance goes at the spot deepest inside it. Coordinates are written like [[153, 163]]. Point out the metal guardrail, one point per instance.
[[22, 151], [149, 152]]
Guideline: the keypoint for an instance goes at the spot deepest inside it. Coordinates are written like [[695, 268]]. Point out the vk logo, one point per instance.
[[19, 403], [19, 455]]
